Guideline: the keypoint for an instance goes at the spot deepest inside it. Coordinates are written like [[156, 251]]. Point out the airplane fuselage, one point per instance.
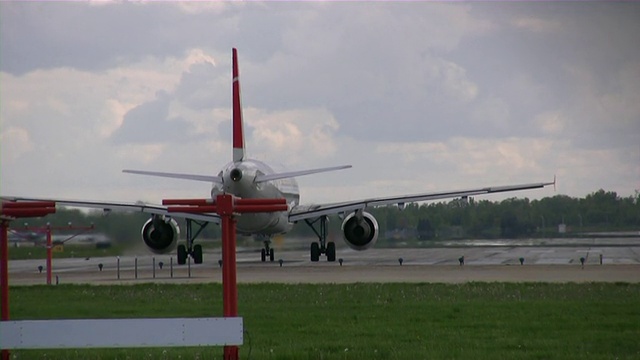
[[239, 179]]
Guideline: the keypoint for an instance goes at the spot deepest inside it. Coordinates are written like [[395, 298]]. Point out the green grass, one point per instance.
[[368, 321]]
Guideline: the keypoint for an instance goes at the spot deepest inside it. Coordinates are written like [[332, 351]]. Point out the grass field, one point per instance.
[[367, 321]]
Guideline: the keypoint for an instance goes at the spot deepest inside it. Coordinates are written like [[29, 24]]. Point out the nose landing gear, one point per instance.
[[267, 251]]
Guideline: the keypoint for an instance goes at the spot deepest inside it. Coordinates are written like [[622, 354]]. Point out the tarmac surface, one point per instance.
[[486, 264]]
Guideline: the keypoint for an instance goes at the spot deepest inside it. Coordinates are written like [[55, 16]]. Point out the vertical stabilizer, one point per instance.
[[238, 128]]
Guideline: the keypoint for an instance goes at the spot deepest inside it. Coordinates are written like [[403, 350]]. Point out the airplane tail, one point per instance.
[[238, 127], [238, 145]]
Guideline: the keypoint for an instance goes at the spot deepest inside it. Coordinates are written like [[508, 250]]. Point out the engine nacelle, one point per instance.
[[360, 233], [159, 235]]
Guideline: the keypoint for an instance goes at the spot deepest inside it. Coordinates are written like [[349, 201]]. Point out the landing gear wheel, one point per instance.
[[331, 251], [197, 254], [190, 249], [182, 254], [266, 251], [322, 246], [315, 251]]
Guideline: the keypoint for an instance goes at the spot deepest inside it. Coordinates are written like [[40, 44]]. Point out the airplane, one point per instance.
[[249, 178], [27, 237]]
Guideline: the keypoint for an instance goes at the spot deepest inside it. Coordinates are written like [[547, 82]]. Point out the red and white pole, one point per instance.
[[49, 254], [4, 276], [225, 206], [12, 210]]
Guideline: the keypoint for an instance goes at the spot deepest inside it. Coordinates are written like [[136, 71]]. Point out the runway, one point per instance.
[[540, 264]]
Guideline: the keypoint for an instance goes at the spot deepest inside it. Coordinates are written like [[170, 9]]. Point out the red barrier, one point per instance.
[[27, 204], [27, 212], [237, 208], [260, 201], [194, 209], [187, 202], [48, 229], [260, 208]]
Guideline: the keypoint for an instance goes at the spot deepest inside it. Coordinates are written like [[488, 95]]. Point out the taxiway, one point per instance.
[[540, 264]]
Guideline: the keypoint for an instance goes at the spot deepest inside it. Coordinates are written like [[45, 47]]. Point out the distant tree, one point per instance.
[[509, 225], [425, 229]]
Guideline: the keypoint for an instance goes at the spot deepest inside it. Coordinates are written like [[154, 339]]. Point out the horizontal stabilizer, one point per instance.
[[285, 175], [206, 178]]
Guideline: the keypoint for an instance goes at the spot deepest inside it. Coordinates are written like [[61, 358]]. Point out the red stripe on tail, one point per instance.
[[238, 134]]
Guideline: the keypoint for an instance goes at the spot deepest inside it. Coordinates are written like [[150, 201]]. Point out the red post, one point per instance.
[[49, 254], [4, 276], [229, 286], [48, 231], [226, 206]]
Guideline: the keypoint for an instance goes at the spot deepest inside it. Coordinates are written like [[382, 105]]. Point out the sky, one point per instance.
[[417, 96]]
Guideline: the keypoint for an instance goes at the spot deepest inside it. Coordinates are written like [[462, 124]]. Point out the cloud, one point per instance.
[[161, 120], [492, 113], [604, 114], [16, 142], [551, 123], [455, 82], [199, 7], [141, 153], [197, 88], [101, 37], [149, 123], [417, 96], [536, 25], [295, 135]]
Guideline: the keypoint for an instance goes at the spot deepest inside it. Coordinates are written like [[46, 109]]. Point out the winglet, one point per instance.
[[238, 131]]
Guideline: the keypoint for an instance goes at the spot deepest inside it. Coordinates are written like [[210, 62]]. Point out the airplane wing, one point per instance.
[[119, 206], [302, 212]]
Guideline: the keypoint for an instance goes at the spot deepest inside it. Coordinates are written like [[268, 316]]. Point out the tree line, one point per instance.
[[457, 218], [517, 217]]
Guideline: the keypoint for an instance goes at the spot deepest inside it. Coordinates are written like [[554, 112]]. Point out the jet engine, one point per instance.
[[360, 231], [160, 234]]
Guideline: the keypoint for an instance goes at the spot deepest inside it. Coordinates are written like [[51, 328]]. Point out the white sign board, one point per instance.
[[108, 333]]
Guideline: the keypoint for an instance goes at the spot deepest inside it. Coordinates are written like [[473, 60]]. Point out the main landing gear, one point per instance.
[[267, 251], [321, 247], [195, 251]]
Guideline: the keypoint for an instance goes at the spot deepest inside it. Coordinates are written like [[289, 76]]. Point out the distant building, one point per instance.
[[562, 228]]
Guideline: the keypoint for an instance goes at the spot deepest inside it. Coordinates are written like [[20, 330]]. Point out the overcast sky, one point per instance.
[[418, 97]]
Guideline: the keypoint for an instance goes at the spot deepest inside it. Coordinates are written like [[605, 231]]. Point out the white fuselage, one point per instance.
[[238, 179]]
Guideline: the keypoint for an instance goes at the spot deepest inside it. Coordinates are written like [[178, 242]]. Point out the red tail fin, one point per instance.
[[238, 131]]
